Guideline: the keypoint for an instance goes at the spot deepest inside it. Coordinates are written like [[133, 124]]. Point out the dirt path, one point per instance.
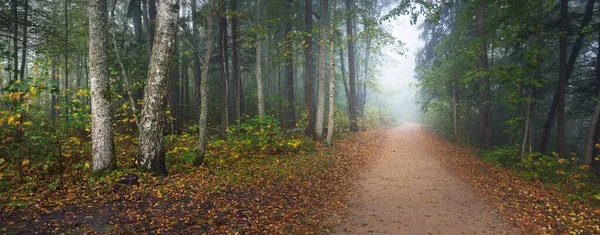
[[408, 192]]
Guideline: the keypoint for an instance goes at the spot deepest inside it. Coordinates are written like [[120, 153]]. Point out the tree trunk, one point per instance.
[[235, 60], [351, 66], [173, 89], [196, 48], [185, 89], [330, 123], [309, 85], [103, 149], [66, 89], [322, 71], [151, 152], [588, 158], [135, 11], [587, 17], [223, 68], [345, 83], [15, 31], [562, 80], [363, 105], [151, 22], [289, 71], [202, 122], [455, 108], [259, 84], [528, 113], [54, 99], [485, 111]]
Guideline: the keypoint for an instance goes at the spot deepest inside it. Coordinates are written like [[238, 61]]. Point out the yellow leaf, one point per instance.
[[158, 194], [25, 162]]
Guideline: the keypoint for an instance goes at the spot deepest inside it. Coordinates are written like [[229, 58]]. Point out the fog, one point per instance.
[[397, 78]]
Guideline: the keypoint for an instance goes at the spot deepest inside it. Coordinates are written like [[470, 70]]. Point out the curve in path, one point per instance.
[[408, 192]]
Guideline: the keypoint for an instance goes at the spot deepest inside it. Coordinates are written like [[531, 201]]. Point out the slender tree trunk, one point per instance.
[[289, 70], [485, 111], [185, 89], [103, 149], [235, 60], [330, 123], [54, 98], [67, 99], [345, 83], [259, 83], [23, 70], [223, 67], [352, 102], [151, 152], [196, 49], [363, 105], [527, 130], [151, 22], [136, 15], [588, 158], [562, 80], [125, 77], [322, 71], [202, 134], [309, 85], [15, 31], [577, 45], [173, 89]]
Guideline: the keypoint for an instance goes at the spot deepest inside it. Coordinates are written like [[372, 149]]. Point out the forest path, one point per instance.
[[407, 191]]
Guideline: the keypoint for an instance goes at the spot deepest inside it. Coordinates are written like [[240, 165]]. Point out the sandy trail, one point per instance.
[[408, 192]]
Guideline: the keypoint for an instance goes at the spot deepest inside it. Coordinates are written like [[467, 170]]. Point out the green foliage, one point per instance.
[[256, 136], [579, 182]]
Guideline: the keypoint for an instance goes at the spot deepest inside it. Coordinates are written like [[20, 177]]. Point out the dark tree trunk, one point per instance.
[[223, 67], [196, 49], [289, 71], [562, 80], [15, 31], [151, 21], [151, 152], [235, 60], [352, 102], [135, 11], [485, 111], [587, 17], [309, 85], [174, 92]]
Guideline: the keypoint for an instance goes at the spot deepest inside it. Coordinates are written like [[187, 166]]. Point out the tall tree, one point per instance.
[[173, 89], [330, 122], [103, 149], [235, 60], [575, 49], [562, 78], [485, 111], [589, 142], [151, 152], [352, 102], [309, 86], [289, 71], [202, 122], [322, 70], [223, 67], [259, 83]]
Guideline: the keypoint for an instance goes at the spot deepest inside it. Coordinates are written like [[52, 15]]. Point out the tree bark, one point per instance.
[[289, 71], [196, 49], [485, 111], [330, 123], [151, 22], [151, 152], [173, 89], [202, 122], [322, 71], [223, 68], [259, 83], [309, 85], [135, 12], [15, 31], [103, 149], [562, 80], [235, 60], [352, 102], [363, 105]]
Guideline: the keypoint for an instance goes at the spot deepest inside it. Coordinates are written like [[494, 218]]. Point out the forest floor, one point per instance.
[[404, 180]]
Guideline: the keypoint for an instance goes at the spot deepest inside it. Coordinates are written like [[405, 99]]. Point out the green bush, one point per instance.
[[505, 156], [260, 135]]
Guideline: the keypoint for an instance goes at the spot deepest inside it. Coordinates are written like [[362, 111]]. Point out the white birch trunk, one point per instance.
[[151, 152], [103, 148], [322, 72], [202, 122], [259, 85]]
